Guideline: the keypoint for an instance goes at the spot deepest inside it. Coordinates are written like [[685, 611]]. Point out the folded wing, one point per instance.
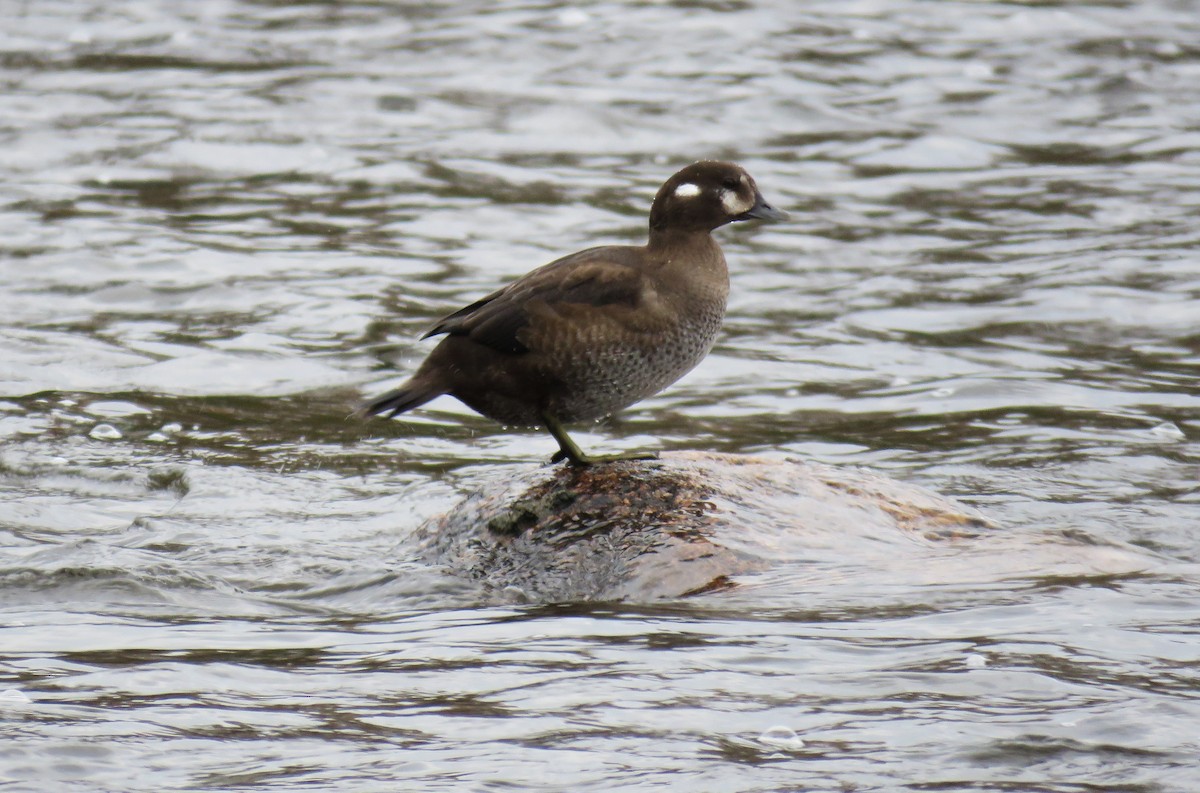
[[591, 279]]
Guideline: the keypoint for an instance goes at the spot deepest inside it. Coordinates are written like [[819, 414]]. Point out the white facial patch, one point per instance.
[[687, 190], [734, 204]]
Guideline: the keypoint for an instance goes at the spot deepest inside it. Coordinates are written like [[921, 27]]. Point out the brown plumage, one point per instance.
[[596, 331]]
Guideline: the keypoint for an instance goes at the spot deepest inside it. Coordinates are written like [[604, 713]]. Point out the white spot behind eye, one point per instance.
[[687, 190], [734, 204]]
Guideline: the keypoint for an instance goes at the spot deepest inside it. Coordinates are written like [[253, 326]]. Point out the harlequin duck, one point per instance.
[[591, 333]]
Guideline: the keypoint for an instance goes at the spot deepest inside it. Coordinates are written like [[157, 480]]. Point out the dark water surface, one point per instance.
[[222, 222]]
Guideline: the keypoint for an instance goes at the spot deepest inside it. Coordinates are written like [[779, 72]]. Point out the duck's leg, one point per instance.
[[569, 451]]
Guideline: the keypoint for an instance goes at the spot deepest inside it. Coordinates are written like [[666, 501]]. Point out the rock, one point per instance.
[[682, 525]]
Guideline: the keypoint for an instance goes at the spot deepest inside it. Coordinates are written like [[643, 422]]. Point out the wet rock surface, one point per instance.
[[682, 525]]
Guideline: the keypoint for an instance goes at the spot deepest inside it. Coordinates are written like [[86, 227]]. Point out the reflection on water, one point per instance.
[[223, 221]]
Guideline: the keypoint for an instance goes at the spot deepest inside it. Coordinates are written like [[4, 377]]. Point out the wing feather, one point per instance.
[[598, 277]]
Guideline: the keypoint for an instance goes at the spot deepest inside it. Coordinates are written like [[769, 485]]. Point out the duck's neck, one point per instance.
[[683, 243], [692, 262]]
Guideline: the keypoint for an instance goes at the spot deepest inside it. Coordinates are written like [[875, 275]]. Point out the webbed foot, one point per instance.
[[568, 450], [587, 459]]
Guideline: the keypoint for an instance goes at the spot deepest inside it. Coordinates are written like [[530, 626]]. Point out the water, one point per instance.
[[224, 222]]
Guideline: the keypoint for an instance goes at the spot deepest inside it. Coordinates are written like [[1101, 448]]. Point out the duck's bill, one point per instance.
[[762, 211]]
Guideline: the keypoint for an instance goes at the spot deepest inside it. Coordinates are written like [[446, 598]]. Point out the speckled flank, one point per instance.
[[608, 376]]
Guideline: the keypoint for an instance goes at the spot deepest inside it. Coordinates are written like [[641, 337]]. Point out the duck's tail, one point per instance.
[[414, 393]]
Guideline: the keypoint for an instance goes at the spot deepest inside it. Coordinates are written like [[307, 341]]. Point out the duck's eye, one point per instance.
[[730, 184]]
